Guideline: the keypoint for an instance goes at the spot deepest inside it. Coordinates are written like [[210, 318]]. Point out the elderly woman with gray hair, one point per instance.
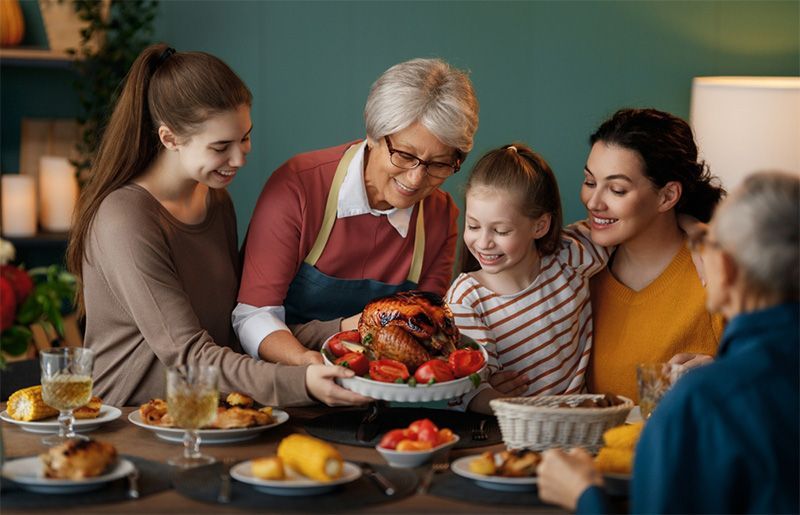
[[335, 228], [725, 438]]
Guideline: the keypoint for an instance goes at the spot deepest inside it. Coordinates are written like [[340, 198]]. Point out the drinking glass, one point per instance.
[[66, 385], [653, 380], [192, 398]]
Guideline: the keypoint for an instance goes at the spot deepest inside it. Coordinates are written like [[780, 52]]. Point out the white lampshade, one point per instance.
[[747, 124]]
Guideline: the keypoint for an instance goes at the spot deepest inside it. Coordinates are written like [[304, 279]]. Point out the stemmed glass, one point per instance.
[[66, 385], [653, 380], [192, 398]]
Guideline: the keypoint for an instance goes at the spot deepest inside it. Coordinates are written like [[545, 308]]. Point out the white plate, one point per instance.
[[294, 484], [210, 436], [634, 416], [50, 425], [27, 473], [404, 393], [506, 484]]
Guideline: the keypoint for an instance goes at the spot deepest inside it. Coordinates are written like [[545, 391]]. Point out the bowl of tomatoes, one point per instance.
[[438, 379], [416, 444]]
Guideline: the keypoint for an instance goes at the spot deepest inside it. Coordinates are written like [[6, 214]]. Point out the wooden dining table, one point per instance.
[[135, 441]]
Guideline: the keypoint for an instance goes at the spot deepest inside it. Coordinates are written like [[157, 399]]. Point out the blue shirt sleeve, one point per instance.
[[593, 500]]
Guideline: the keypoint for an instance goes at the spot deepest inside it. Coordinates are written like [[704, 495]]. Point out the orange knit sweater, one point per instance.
[[652, 325]]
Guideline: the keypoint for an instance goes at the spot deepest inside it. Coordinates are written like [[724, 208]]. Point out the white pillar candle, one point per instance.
[[58, 193], [19, 205]]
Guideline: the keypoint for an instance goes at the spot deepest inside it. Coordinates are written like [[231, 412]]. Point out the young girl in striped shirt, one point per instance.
[[524, 288]]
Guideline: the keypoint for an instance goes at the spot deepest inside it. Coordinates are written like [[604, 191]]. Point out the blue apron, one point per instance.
[[313, 295]]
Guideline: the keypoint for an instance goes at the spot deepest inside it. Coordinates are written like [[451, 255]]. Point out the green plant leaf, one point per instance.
[[15, 340]]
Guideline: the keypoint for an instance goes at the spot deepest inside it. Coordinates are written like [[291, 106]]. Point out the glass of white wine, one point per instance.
[[66, 385], [192, 399]]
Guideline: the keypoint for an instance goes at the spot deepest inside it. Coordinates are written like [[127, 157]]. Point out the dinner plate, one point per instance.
[[27, 473], [210, 436], [405, 393], [505, 484], [294, 484], [50, 425]]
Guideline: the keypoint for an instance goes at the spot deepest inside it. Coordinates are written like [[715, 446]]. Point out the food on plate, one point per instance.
[[435, 371], [355, 361], [240, 400], [344, 342], [89, 410], [78, 459], [231, 414], [606, 401], [517, 463], [311, 457], [411, 327], [616, 456], [420, 435], [388, 371], [268, 467], [27, 405]]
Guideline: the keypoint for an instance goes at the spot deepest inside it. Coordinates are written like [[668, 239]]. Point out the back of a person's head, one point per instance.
[[667, 148], [759, 225], [529, 183], [428, 91]]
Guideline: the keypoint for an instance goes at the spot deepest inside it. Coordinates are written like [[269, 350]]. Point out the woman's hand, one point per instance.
[[564, 476], [509, 382], [350, 323], [320, 385], [311, 357], [690, 360]]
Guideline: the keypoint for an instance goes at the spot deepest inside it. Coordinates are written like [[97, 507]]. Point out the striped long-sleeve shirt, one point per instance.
[[543, 331]]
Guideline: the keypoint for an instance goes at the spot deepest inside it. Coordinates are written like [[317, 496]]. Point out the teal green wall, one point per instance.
[[545, 72]]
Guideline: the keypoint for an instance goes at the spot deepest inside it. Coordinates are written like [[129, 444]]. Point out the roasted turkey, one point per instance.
[[411, 327]]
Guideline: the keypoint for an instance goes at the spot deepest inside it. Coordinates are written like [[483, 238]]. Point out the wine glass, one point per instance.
[[653, 380], [192, 398], [66, 385]]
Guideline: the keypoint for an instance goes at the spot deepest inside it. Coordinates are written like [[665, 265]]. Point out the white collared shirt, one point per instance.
[[253, 323]]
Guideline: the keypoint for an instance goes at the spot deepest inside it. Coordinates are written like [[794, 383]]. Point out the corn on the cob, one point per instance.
[[270, 467], [311, 457], [27, 405]]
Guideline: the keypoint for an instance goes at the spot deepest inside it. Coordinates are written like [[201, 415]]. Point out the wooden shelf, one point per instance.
[[40, 57]]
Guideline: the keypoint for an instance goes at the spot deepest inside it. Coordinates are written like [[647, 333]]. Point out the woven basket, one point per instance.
[[537, 423]]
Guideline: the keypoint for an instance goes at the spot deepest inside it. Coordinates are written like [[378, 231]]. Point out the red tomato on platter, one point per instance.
[[435, 369], [395, 436], [464, 362], [356, 362], [387, 370], [336, 345]]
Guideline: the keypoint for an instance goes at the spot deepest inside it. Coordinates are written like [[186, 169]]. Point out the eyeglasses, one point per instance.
[[408, 161], [701, 240]]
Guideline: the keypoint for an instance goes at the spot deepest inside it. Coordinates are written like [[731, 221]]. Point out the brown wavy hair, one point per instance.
[[529, 180], [178, 89]]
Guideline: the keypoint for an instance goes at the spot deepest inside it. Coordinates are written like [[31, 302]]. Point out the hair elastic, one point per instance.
[[512, 147], [164, 56]]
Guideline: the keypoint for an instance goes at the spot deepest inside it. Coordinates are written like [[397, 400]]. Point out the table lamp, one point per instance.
[[746, 124]]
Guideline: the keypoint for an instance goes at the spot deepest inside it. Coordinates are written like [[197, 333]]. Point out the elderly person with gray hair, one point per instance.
[[725, 438], [336, 228]]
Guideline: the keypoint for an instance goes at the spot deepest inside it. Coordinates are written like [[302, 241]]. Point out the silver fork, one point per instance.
[[224, 494], [440, 464], [479, 433], [133, 484]]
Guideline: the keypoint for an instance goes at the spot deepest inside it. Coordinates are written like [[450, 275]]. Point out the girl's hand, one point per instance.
[[563, 476], [690, 360], [320, 385], [509, 382], [350, 323]]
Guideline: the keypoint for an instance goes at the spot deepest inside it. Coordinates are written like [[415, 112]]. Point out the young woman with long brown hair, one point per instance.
[[154, 240]]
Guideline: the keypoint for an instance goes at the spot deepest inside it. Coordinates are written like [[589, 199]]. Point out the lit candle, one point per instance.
[[58, 193], [19, 205]]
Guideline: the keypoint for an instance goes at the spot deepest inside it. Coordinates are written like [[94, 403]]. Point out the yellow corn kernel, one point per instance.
[[311, 457], [27, 405]]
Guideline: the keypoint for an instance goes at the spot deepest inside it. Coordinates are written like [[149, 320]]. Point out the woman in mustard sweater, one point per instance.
[[649, 304]]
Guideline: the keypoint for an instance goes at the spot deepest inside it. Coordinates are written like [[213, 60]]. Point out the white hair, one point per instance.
[[428, 91], [760, 226]]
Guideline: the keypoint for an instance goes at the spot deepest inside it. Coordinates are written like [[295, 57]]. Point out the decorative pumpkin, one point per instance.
[[12, 24]]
